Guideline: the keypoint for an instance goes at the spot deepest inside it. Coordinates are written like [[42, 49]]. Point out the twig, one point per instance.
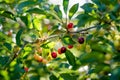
[[84, 29]]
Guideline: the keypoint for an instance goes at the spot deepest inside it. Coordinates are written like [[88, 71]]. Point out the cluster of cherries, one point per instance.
[[63, 49], [60, 50]]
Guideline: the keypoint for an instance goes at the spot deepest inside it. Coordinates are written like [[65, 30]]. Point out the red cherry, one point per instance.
[[81, 40], [70, 46], [54, 54], [26, 69], [59, 51], [63, 49], [70, 25]]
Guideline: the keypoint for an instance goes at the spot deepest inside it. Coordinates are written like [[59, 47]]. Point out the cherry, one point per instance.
[[44, 61], [54, 54], [70, 46], [9, 33], [70, 25], [63, 49], [59, 51], [81, 40], [38, 58], [26, 69]]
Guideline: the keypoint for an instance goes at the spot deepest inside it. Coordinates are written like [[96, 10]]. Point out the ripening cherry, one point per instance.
[[70, 46], [54, 54], [81, 40], [70, 25], [63, 49], [44, 61], [26, 69], [9, 33], [38, 58], [59, 51]]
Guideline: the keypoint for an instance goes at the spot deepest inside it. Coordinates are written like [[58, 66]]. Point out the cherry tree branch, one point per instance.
[[13, 56], [53, 36], [79, 31]]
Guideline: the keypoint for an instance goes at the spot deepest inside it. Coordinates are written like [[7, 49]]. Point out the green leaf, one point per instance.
[[4, 75], [53, 77], [48, 45], [70, 57], [8, 46], [77, 64], [68, 40], [68, 76], [92, 57], [64, 65], [30, 23], [96, 2], [116, 9], [112, 16], [24, 4], [112, 46], [36, 10], [3, 60], [102, 48], [89, 37], [65, 5], [118, 28], [24, 19], [88, 7], [18, 37], [102, 67], [58, 11], [106, 2], [73, 10], [102, 8], [7, 14], [107, 46], [27, 20], [116, 58], [84, 19], [35, 77], [115, 74], [101, 4], [37, 24]]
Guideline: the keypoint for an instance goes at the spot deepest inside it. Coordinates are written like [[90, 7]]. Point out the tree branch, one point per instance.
[[84, 29]]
